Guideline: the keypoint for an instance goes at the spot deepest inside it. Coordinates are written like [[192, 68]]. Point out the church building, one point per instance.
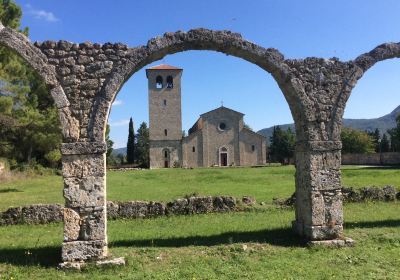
[[218, 138]]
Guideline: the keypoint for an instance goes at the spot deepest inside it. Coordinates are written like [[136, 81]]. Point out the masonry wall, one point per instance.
[[190, 158], [157, 148], [371, 159], [247, 155], [214, 138]]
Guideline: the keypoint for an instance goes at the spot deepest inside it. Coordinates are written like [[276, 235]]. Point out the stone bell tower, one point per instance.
[[165, 120]]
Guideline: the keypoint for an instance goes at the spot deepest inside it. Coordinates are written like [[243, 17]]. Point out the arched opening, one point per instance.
[[370, 117], [170, 82], [223, 156], [166, 156], [159, 82], [371, 108]]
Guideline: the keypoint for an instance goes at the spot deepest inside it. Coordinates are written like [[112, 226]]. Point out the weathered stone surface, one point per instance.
[[140, 209], [81, 166], [72, 224], [346, 242], [93, 226], [112, 210], [84, 192], [197, 205], [32, 214], [83, 148], [248, 200], [83, 250], [85, 78], [111, 262]]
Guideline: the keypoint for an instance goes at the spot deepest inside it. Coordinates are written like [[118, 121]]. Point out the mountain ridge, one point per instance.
[[383, 123]]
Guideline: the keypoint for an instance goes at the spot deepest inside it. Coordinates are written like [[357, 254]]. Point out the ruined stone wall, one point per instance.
[[85, 78]]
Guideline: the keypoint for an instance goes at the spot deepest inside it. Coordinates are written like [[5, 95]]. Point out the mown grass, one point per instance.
[[211, 246], [262, 183]]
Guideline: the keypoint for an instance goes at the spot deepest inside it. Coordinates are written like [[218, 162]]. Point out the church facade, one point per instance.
[[218, 138]]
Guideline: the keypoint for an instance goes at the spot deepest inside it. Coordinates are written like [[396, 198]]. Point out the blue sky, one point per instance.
[[299, 29]]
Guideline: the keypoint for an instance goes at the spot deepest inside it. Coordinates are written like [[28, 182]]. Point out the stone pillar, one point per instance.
[[85, 217], [319, 211]]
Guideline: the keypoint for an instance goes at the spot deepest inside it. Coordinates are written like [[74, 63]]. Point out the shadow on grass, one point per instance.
[[8, 190], [280, 237], [49, 256], [373, 224]]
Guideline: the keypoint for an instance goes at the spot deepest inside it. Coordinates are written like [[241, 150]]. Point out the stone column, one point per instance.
[[85, 218], [319, 211]]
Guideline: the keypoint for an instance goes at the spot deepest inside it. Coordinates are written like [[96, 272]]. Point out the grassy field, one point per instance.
[[255, 245], [165, 185]]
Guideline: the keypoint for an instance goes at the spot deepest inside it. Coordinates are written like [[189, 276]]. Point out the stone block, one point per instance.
[[333, 207], [325, 179], [322, 232], [84, 192], [60, 100], [83, 165], [112, 210], [83, 148], [83, 250], [93, 226], [72, 224]]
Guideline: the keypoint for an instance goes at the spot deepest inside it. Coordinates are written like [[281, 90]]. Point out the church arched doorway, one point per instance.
[[223, 156], [166, 156]]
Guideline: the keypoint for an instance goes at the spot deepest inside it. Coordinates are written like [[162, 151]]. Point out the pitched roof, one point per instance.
[[222, 108], [164, 67]]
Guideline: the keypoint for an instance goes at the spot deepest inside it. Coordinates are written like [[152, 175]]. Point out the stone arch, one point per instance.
[[360, 66], [21, 45], [271, 60]]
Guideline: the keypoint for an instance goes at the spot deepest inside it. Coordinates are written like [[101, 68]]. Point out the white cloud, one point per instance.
[[41, 14], [117, 102], [119, 123]]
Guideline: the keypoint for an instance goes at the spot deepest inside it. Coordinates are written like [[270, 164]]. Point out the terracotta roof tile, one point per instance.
[[164, 67]]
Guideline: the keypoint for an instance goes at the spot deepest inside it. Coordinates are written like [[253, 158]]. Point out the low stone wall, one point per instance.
[[47, 213], [386, 193], [32, 214], [371, 159]]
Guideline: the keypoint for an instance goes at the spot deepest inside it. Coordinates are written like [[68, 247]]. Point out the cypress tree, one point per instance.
[[130, 146]]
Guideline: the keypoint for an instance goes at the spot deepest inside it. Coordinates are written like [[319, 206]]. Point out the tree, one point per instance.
[[356, 141], [282, 145], [29, 124], [130, 146], [143, 145], [375, 136], [385, 145], [395, 136], [110, 143]]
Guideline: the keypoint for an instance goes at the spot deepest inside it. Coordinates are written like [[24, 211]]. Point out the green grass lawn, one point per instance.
[[210, 246], [165, 185]]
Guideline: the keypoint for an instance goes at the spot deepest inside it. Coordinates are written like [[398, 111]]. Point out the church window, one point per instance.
[[165, 132], [170, 82], [159, 82], [193, 149], [222, 126], [165, 102], [166, 154], [253, 148]]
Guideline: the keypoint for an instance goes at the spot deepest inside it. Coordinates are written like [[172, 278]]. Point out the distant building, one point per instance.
[[218, 138]]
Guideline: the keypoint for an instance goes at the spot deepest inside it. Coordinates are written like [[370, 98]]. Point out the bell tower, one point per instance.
[[165, 120]]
